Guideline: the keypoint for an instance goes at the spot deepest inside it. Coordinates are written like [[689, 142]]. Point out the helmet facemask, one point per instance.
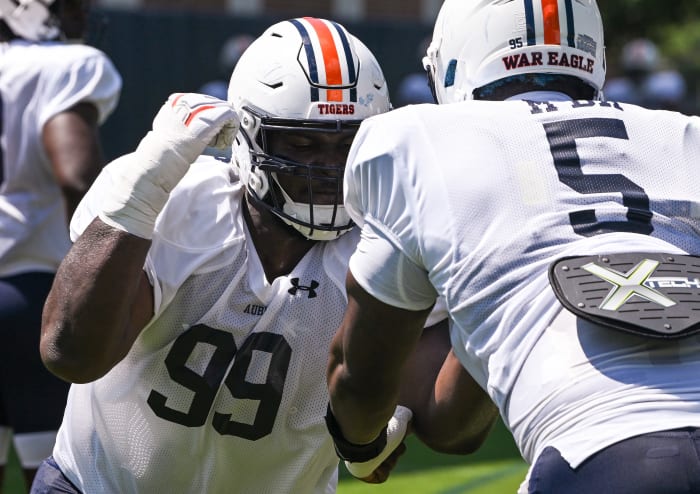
[[317, 211]]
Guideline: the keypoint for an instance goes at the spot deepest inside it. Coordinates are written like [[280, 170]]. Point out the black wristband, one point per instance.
[[356, 453]]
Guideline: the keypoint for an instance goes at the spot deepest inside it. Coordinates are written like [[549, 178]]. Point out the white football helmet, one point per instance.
[[478, 42], [30, 19], [302, 74]]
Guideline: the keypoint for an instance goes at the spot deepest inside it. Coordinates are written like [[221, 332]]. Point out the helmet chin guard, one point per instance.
[[477, 42], [297, 215], [304, 74]]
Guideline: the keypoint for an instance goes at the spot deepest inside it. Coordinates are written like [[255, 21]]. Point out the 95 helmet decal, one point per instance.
[[478, 42]]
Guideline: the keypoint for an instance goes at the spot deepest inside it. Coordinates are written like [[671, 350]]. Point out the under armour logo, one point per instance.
[[296, 287], [629, 284]]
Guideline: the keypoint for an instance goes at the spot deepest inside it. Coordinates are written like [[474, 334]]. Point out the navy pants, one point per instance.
[[31, 398], [50, 480], [666, 462]]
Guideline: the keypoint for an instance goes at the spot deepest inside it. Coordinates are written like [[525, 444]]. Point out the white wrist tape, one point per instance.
[[182, 129], [395, 432]]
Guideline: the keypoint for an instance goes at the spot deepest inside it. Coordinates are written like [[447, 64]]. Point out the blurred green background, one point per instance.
[[163, 51]]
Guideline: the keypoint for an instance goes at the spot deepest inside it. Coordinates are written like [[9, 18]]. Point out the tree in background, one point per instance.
[[673, 26]]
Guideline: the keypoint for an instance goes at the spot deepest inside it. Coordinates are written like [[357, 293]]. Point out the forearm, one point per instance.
[[88, 322], [71, 141], [100, 299], [368, 355], [361, 405], [457, 415]]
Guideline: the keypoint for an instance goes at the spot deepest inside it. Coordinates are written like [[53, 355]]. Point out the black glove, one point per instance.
[[349, 451]]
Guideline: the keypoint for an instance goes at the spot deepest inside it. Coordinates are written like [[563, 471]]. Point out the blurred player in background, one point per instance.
[[645, 81], [563, 233], [53, 97], [414, 88], [196, 308], [229, 54]]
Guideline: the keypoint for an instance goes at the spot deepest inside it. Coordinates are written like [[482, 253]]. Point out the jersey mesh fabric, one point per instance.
[[485, 195], [225, 390]]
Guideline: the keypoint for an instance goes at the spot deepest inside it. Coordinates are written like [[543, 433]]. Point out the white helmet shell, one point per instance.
[[30, 19], [304, 73], [477, 42]]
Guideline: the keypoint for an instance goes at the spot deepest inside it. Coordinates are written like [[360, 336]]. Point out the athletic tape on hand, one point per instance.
[[396, 431], [185, 125], [191, 122]]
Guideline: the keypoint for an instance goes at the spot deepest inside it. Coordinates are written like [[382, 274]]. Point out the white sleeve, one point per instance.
[[438, 313], [378, 184], [89, 77], [197, 224], [388, 261], [90, 205], [386, 273]]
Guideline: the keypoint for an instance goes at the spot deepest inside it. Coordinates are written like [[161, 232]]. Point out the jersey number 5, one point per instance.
[[206, 386], [562, 143]]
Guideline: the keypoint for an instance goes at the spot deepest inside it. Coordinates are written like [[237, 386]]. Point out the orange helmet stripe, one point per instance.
[[552, 32], [331, 60]]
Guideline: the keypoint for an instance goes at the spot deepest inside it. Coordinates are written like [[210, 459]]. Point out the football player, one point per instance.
[[196, 308], [53, 97], [563, 232]]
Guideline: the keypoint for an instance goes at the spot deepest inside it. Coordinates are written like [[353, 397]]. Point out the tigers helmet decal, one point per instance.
[[303, 74]]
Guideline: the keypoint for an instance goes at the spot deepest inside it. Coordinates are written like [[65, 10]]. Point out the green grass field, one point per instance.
[[495, 469], [490, 477], [14, 481]]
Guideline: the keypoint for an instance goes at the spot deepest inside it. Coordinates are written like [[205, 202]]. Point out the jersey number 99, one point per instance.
[[206, 386]]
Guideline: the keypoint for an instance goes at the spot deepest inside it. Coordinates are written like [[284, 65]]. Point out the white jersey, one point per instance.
[[225, 390], [37, 82], [480, 198]]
